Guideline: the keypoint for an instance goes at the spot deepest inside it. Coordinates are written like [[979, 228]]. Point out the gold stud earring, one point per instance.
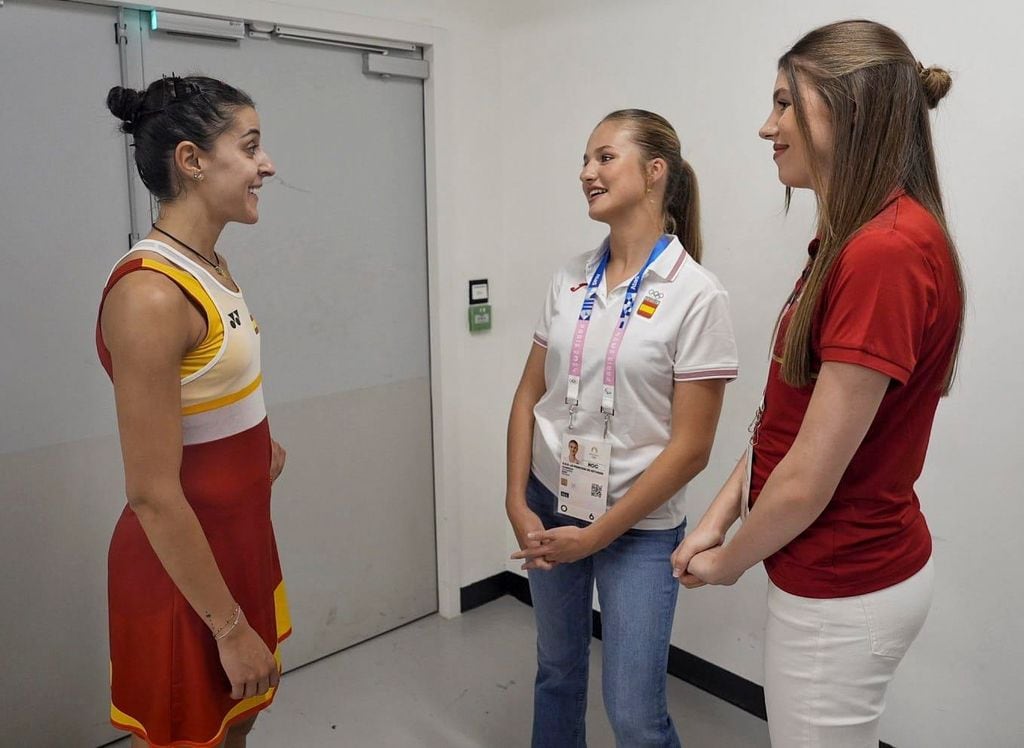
[[197, 175]]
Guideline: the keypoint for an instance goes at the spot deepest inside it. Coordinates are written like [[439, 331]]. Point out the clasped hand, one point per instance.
[[698, 561], [559, 545]]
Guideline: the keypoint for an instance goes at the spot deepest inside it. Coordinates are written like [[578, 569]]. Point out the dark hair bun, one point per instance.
[[169, 111], [125, 104], [936, 82]]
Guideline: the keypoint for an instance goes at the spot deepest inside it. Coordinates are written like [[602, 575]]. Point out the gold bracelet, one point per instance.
[[228, 627]]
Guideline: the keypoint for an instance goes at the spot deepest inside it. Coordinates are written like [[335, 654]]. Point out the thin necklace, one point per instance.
[[215, 265]]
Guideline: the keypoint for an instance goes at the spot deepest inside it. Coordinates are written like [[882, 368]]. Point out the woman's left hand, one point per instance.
[[707, 566], [277, 458], [561, 544]]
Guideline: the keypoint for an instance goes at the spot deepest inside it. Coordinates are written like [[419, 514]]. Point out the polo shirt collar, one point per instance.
[[665, 267]]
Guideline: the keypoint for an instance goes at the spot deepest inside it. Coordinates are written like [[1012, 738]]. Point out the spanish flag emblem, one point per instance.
[[647, 308]]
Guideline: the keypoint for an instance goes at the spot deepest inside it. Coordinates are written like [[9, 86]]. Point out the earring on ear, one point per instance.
[[197, 175]]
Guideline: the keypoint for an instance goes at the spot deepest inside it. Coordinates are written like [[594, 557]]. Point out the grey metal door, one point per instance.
[[336, 270]]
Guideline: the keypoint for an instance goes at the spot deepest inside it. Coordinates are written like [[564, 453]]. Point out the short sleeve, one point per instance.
[[706, 345], [542, 331], [877, 304]]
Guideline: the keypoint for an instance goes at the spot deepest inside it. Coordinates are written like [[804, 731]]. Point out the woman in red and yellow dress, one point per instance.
[[197, 602]]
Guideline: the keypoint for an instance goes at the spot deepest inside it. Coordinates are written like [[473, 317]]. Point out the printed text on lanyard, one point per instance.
[[572, 397]]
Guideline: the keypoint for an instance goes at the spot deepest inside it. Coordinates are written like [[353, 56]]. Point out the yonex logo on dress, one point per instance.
[[234, 318]]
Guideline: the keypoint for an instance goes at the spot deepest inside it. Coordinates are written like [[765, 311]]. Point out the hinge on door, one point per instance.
[[120, 31]]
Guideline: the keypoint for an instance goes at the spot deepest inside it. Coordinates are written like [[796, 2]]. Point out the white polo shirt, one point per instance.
[[687, 336]]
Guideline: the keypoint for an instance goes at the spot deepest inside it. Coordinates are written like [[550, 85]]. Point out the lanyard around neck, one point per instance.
[[572, 397]]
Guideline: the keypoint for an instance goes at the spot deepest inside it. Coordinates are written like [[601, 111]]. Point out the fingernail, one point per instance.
[[531, 535], [675, 573]]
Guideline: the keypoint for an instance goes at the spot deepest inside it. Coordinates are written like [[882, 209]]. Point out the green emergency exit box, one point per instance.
[[479, 317]]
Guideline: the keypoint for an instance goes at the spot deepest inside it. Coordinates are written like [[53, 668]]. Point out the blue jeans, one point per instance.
[[638, 600]]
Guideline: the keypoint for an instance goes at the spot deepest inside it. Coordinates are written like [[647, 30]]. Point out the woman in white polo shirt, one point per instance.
[[629, 363]]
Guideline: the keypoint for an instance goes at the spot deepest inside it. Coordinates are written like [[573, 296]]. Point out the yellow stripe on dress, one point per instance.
[[200, 356], [281, 612], [220, 402], [121, 719], [127, 722], [225, 421], [284, 628]]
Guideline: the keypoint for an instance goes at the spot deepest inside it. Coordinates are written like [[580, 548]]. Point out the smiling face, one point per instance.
[[613, 175], [791, 151], [234, 169]]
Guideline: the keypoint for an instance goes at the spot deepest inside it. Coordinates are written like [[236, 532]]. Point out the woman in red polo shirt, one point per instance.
[[863, 350]]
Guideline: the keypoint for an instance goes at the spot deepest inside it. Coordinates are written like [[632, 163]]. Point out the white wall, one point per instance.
[[709, 67]]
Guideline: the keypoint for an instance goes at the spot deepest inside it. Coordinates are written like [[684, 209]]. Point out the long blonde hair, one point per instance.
[[878, 96]]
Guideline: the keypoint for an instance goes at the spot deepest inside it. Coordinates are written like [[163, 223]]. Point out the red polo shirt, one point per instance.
[[890, 304]]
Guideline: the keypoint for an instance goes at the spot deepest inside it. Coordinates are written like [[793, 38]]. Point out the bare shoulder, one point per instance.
[[145, 293], [147, 309]]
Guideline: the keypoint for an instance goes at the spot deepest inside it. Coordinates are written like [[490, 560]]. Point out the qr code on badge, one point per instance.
[[596, 491]]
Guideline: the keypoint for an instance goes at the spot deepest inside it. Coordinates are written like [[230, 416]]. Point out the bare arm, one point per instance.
[[695, 410], [148, 326], [520, 427], [710, 531], [842, 408], [725, 509], [519, 448]]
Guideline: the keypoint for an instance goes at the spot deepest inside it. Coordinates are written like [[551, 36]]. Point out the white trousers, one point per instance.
[[828, 662]]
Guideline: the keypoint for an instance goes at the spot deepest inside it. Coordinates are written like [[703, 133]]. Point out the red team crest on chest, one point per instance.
[[650, 303]]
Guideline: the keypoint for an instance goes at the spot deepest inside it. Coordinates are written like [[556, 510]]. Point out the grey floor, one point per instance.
[[458, 684]]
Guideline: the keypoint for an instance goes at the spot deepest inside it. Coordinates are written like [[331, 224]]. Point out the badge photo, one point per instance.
[[583, 485]]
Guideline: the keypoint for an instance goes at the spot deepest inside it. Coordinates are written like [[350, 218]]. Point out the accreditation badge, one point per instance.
[[583, 482]]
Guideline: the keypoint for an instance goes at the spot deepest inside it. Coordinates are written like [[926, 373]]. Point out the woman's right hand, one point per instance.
[[525, 521], [247, 662], [701, 539]]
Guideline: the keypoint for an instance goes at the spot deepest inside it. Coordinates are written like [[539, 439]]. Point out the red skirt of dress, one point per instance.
[[167, 683]]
